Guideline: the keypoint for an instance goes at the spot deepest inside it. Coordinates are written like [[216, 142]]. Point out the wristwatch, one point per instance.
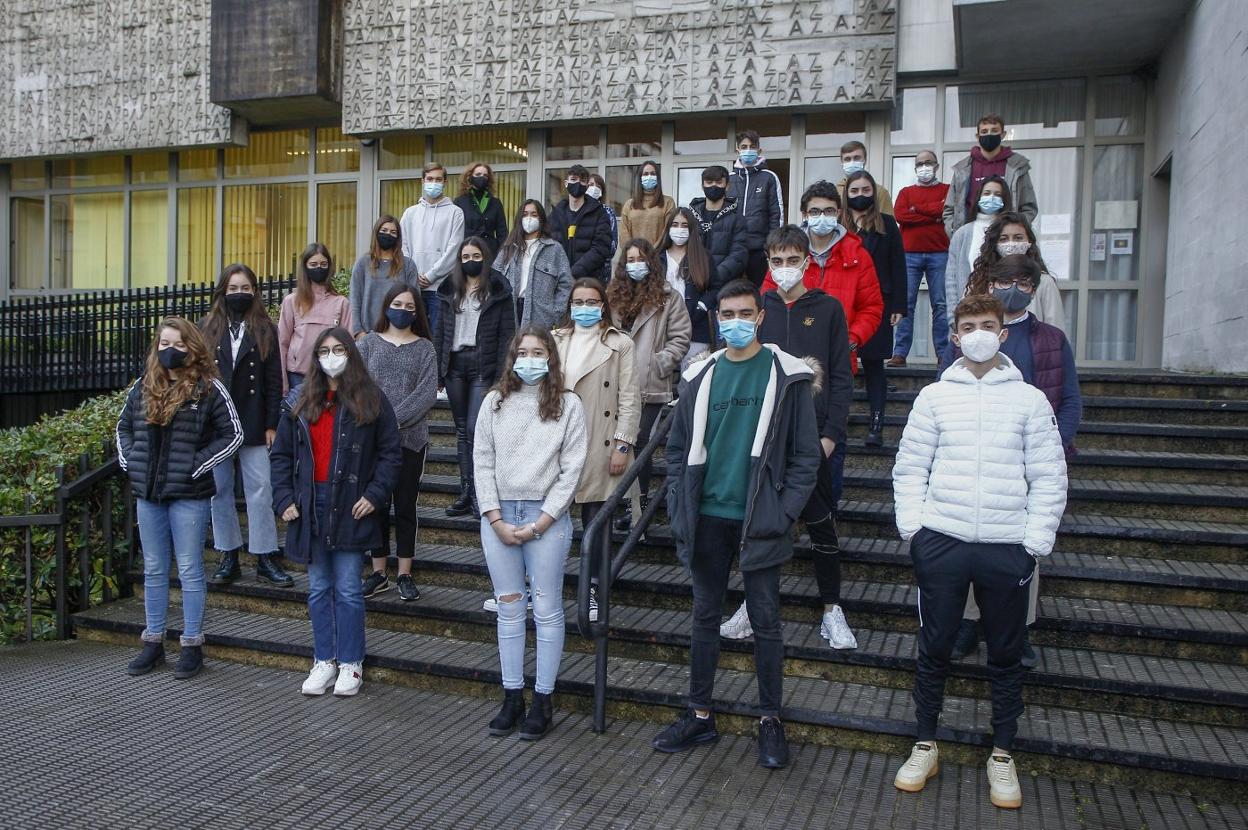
[[533, 527], [624, 448]]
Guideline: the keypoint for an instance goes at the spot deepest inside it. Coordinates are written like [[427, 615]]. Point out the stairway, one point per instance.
[[1142, 633]]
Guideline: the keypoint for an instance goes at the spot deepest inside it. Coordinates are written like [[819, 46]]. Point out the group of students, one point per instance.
[[533, 332]]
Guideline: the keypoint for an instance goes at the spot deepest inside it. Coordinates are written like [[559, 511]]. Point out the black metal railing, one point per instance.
[[609, 566], [87, 529], [95, 340]]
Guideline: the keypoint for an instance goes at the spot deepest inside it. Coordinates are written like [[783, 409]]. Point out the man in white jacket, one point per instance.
[[979, 486], [432, 230]]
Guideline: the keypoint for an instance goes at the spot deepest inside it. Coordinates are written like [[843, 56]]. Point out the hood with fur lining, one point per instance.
[[791, 365]]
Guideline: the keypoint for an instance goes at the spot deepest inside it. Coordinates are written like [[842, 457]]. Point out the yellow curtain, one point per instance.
[[149, 238], [335, 221], [197, 233]]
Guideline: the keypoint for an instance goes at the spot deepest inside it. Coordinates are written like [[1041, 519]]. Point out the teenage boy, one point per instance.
[[810, 324], [723, 230], [759, 199], [432, 230], [742, 458], [979, 486], [989, 158], [853, 159], [581, 226]]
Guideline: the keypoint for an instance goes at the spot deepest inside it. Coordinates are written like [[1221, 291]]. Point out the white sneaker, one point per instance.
[[1003, 786], [320, 678], [923, 763], [491, 604], [350, 679], [836, 631], [442, 396], [738, 625]]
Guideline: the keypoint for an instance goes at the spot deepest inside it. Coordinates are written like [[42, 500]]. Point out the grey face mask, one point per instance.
[[1013, 298]]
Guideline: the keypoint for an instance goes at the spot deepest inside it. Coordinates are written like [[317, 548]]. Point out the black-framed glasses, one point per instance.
[[339, 351], [1024, 285]]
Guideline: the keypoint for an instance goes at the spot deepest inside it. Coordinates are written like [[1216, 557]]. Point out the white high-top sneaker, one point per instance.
[[350, 679], [1003, 786], [320, 678], [737, 626], [923, 763], [836, 630]]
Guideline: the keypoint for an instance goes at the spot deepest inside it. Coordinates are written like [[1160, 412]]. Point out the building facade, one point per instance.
[[152, 142]]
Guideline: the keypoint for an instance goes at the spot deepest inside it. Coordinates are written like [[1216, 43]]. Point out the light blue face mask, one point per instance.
[[852, 167], [586, 315], [822, 225], [737, 333], [649, 183], [531, 369], [749, 157], [433, 190], [637, 271], [991, 204]]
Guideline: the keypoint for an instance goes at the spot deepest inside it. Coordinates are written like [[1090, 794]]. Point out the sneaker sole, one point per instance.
[[502, 733], [186, 675], [408, 599], [917, 788], [312, 692], [376, 592], [747, 635], [290, 583], [765, 765], [351, 693], [1006, 804], [698, 741], [140, 672]]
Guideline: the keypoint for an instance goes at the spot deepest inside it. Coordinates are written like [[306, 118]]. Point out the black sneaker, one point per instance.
[[773, 749], [375, 584], [967, 640], [407, 588], [688, 731]]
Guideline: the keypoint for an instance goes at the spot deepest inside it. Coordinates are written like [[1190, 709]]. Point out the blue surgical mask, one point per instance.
[[822, 225], [649, 183], [748, 157], [852, 167], [531, 369], [737, 333], [991, 204], [433, 190], [586, 315], [637, 271]]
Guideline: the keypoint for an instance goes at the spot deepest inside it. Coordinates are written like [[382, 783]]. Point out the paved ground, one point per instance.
[[84, 746]]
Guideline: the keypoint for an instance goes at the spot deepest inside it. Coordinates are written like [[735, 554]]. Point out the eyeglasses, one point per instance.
[[1024, 286], [587, 303], [815, 213], [339, 351]]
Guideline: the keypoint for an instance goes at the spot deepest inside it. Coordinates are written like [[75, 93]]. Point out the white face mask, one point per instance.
[[787, 277], [334, 364], [680, 236], [925, 173], [980, 346], [594, 191], [530, 224]]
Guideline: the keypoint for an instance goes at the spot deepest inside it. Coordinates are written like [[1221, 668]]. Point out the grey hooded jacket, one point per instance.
[[1017, 179]]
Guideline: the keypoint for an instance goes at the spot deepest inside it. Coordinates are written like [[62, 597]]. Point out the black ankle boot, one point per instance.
[[228, 570], [190, 661], [268, 570], [462, 506], [875, 433], [624, 523], [537, 723], [510, 715], [153, 654]]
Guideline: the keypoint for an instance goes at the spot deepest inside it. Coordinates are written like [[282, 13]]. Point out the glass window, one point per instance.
[[197, 234], [509, 189], [87, 235], [620, 181], [266, 226], [149, 238], [703, 137], [571, 143], [402, 152], [1031, 109], [555, 193], [1055, 175], [197, 165], [914, 117], [829, 130], [397, 195], [688, 184], [335, 152], [459, 149], [1117, 177], [283, 153], [635, 139], [1120, 104], [26, 224], [1111, 325], [903, 174], [335, 220], [89, 171], [149, 168], [823, 169], [774, 131], [27, 174]]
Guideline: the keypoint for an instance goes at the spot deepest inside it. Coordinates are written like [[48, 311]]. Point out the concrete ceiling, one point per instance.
[[1009, 36]]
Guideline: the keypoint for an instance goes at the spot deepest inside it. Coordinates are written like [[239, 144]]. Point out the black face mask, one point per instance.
[[576, 189], [990, 142], [714, 192], [861, 202], [317, 274], [239, 302], [387, 241], [400, 318], [171, 358], [472, 268], [480, 183]]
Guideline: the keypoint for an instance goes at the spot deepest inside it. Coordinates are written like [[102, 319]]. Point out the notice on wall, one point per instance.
[[1121, 244], [1115, 215], [1097, 251]]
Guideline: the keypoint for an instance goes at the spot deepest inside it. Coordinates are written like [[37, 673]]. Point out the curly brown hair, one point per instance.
[[163, 394], [550, 403], [988, 256], [628, 297]]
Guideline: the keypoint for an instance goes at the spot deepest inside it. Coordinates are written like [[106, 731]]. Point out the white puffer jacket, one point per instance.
[[982, 461]]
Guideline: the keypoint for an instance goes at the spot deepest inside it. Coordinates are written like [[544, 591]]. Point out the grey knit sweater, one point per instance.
[[519, 457], [408, 377], [369, 287]]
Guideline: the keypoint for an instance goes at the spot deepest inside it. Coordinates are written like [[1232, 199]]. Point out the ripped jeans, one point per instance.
[[543, 561]]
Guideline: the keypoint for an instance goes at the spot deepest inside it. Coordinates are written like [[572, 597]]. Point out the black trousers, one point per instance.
[[875, 382], [820, 519], [756, 267], [649, 414], [464, 390], [406, 492], [944, 568]]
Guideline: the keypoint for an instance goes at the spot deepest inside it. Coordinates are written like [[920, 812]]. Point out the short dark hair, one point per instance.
[[579, 170], [822, 189], [975, 304], [714, 173], [787, 236], [752, 135], [1014, 266], [851, 146], [740, 288], [990, 118]]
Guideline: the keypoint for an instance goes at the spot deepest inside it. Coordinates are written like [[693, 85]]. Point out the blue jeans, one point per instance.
[[933, 265], [543, 560], [173, 529], [432, 306], [258, 489], [335, 595]]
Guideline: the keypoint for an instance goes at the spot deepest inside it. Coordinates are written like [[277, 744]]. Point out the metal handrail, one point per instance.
[[609, 566]]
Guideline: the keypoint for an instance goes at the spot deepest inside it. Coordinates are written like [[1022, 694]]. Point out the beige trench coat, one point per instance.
[[661, 339]]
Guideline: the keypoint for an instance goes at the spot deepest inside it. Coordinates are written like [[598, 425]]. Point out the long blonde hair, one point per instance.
[[163, 395]]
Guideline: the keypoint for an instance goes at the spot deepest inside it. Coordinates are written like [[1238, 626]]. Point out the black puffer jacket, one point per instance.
[[589, 246], [490, 225], [495, 328], [723, 234], [760, 201], [167, 463]]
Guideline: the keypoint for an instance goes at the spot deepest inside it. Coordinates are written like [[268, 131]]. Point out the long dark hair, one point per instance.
[[696, 266], [420, 323], [513, 245], [374, 250], [630, 297], [356, 389], [640, 196], [256, 318], [303, 285], [550, 402], [163, 395], [988, 256], [459, 281], [871, 219], [1006, 199], [595, 284]]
